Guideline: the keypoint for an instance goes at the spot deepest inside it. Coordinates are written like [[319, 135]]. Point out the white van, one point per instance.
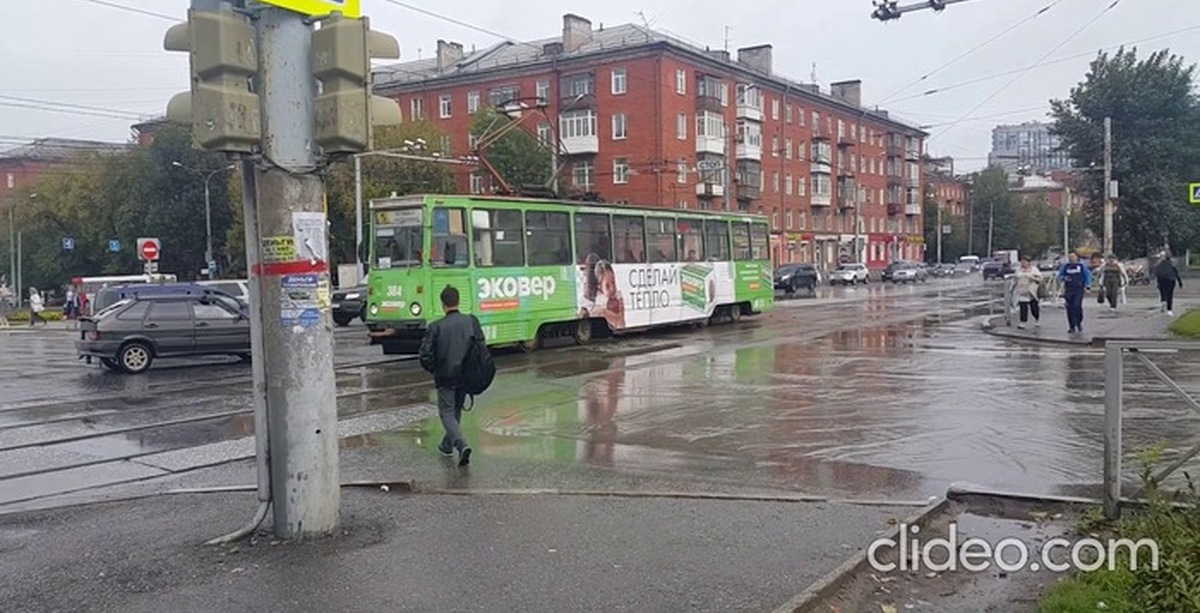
[[972, 260]]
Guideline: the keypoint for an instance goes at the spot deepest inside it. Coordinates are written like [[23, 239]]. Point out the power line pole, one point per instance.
[[939, 232], [358, 220], [1108, 191]]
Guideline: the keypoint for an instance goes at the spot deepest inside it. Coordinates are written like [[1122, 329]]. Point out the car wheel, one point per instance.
[[342, 320], [110, 363], [135, 358], [795, 287]]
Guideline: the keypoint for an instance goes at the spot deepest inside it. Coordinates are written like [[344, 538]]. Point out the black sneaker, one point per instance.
[[446, 452], [465, 458]]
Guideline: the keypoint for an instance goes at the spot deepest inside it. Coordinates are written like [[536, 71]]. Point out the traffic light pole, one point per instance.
[[297, 336]]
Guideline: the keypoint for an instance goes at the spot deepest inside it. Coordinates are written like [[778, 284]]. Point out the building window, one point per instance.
[[801, 147], [800, 115], [683, 204], [620, 171], [775, 220], [774, 146], [680, 81], [504, 95], [787, 223], [544, 134], [417, 109], [822, 186], [710, 125], [681, 171], [775, 109], [619, 122], [472, 102], [543, 91], [581, 175], [619, 85], [577, 123], [775, 182], [787, 148], [787, 184], [747, 95], [749, 133], [681, 122], [787, 113], [803, 220], [816, 120], [447, 149], [476, 183]]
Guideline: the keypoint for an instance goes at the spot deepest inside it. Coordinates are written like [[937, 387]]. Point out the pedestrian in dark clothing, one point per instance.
[[1168, 277], [442, 353], [1076, 279], [1112, 278]]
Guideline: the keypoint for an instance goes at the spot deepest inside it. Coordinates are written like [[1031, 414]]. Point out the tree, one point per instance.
[[954, 244], [992, 201], [517, 156], [1155, 146]]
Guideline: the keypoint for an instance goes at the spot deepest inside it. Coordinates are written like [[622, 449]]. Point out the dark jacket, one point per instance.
[[1075, 277], [1167, 272], [445, 345]]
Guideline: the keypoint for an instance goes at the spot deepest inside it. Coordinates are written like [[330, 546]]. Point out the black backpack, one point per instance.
[[478, 369]]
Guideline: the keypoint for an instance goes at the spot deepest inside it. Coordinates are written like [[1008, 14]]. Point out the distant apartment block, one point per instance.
[[645, 118], [1027, 148]]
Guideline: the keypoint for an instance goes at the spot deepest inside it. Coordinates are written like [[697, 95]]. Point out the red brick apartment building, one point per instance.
[[649, 119], [23, 166], [950, 191]]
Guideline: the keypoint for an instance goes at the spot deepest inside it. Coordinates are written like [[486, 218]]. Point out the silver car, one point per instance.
[[850, 274]]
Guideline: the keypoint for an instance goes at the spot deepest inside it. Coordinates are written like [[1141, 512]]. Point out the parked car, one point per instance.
[[907, 272], [238, 288], [111, 295], [350, 303], [963, 269], [997, 269], [130, 334], [849, 274]]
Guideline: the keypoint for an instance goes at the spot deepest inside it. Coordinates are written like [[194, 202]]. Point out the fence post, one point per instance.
[[1113, 372]]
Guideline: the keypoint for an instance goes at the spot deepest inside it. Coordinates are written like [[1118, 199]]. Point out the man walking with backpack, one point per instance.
[[1168, 276], [450, 351]]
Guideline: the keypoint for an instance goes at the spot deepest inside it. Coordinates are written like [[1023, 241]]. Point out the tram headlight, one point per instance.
[[415, 309], [374, 310]]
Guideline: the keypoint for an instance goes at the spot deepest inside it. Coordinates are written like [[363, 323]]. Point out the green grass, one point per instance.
[[1187, 325], [1084, 593]]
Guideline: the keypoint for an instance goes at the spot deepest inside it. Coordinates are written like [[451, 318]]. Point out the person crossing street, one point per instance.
[[1076, 279]]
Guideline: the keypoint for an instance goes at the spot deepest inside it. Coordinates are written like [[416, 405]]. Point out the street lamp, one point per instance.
[[14, 249], [208, 248]]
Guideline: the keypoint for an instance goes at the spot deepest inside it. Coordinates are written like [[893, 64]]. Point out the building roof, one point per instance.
[[627, 37], [59, 149], [1030, 183]]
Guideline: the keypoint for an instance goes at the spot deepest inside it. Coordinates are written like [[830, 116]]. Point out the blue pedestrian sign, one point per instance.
[[68, 244], [114, 246], [1194, 193]]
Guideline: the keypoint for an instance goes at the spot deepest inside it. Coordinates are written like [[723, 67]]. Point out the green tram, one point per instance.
[[536, 269]]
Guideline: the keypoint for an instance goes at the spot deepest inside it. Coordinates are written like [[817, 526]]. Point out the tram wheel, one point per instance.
[[583, 331], [735, 313]]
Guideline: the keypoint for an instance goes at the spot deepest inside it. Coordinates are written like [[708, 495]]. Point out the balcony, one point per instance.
[[820, 164], [894, 178], [748, 192], [820, 132], [581, 145], [747, 151], [710, 190], [912, 209], [912, 155], [913, 182], [749, 111], [895, 150], [845, 140], [572, 102], [847, 194], [710, 144], [822, 200], [895, 208]]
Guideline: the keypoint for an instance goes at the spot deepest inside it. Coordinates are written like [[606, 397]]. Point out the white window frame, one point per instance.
[[472, 102], [787, 217], [543, 91], [573, 124], [621, 121], [681, 126], [445, 106], [681, 81], [681, 171], [476, 183], [619, 76], [787, 113], [774, 145], [589, 175], [801, 185], [775, 109], [775, 182], [620, 171], [416, 109], [787, 184], [545, 134], [787, 148]]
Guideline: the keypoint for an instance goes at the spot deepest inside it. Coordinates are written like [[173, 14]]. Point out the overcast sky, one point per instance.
[[77, 52]]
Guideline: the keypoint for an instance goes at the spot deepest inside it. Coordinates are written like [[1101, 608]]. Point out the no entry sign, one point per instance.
[[148, 249]]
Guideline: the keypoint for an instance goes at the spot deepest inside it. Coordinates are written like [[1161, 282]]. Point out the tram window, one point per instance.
[[548, 238], [741, 241], [660, 237], [629, 239], [691, 240], [499, 238], [593, 238], [716, 240], [760, 245], [449, 247]]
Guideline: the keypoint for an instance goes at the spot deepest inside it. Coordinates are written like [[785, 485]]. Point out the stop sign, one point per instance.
[[148, 249]]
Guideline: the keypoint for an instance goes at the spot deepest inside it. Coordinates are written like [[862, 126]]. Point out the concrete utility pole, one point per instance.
[[1108, 190], [358, 220], [939, 232], [297, 335], [728, 166]]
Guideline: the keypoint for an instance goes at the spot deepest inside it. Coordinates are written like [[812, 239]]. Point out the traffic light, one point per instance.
[[223, 112], [346, 111]]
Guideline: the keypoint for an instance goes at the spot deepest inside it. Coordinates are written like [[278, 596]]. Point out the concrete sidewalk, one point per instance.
[[1141, 318], [427, 552]]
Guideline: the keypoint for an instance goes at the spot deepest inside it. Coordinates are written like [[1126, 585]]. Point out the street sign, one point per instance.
[[68, 244], [148, 249], [709, 165], [946, 229], [320, 8], [1194, 193], [114, 246]]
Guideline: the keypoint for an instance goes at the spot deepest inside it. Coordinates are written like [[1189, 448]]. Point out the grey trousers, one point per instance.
[[450, 404]]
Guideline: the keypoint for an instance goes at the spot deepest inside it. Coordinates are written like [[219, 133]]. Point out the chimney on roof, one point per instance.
[[720, 54], [577, 32], [848, 91], [448, 54], [756, 58]]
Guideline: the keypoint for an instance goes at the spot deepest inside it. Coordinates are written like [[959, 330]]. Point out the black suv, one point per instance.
[[130, 334], [792, 277], [348, 304], [997, 269]]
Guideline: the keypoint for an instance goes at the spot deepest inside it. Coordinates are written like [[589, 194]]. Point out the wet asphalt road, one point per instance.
[[886, 391]]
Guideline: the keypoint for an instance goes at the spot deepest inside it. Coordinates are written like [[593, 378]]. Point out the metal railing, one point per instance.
[[1114, 373], [1004, 299]]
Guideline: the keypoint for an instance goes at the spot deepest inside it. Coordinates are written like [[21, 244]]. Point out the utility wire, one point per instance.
[[985, 43], [39, 107], [133, 9], [68, 105], [1022, 73]]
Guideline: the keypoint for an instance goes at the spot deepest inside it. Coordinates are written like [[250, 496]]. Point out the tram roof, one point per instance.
[[422, 199]]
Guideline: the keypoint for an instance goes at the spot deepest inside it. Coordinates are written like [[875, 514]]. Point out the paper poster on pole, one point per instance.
[[308, 230]]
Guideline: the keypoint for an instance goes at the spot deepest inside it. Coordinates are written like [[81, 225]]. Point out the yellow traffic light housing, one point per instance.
[[346, 111], [224, 113]]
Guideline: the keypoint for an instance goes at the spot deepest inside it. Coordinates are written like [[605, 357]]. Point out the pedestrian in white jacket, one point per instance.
[[1029, 282]]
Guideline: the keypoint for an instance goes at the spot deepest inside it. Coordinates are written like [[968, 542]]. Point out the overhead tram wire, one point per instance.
[[981, 45], [1022, 73], [133, 9]]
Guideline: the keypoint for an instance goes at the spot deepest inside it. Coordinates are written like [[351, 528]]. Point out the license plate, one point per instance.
[[337, 305]]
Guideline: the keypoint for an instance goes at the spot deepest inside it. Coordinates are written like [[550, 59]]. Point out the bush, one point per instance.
[[23, 315], [1187, 325]]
